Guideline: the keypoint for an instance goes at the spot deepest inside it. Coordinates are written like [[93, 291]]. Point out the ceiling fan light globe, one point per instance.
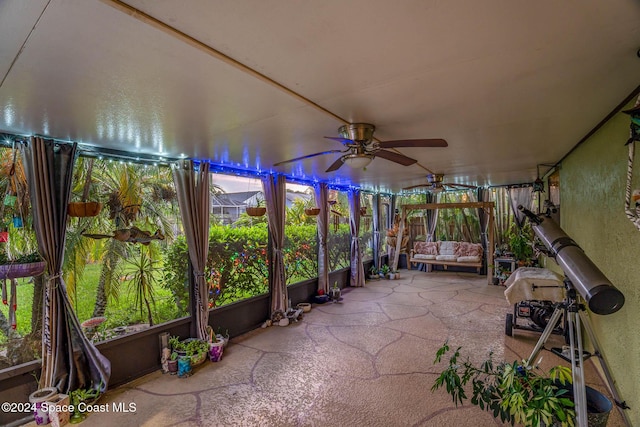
[[357, 161]]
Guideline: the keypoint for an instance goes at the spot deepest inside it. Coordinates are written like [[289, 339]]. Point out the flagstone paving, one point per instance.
[[367, 361]]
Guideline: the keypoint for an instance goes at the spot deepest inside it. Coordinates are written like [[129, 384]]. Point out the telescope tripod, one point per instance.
[[575, 318]]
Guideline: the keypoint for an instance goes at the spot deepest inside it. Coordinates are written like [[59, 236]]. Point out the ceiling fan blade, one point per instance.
[[453, 184], [434, 142], [395, 157], [344, 141], [335, 165], [416, 186], [308, 156]]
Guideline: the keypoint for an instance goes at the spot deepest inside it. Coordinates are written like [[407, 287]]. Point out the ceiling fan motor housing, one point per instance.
[[359, 132], [435, 178]]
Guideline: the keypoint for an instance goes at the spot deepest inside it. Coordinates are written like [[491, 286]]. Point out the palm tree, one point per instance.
[[135, 195], [143, 268]]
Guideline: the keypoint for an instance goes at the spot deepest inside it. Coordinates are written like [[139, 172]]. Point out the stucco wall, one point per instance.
[[592, 195]]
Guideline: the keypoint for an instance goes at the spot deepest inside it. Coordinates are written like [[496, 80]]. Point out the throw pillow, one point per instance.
[[426, 248], [448, 248]]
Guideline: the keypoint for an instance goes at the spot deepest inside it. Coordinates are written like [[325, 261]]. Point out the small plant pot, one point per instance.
[[4, 236], [305, 306], [40, 399], [172, 366], [184, 366], [392, 276], [215, 351], [256, 211]]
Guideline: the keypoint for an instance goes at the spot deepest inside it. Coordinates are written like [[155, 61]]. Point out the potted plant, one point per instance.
[[174, 343], [373, 273], [172, 363], [384, 271], [184, 366], [310, 208], [78, 396], [521, 243], [85, 208], [28, 265], [223, 337], [335, 292], [512, 392], [258, 210], [197, 349]]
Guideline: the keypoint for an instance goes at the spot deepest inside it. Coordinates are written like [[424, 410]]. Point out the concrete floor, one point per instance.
[[367, 361]]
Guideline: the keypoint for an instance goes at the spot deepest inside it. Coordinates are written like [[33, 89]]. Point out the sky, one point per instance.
[[236, 184]]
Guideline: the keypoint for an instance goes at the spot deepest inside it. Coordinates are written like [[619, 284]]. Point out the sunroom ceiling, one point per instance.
[[509, 85]]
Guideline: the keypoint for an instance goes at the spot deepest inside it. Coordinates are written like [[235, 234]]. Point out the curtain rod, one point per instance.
[[86, 150]]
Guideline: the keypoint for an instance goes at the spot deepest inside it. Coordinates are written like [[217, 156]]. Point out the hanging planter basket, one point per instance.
[[312, 211], [256, 211], [84, 209], [15, 271]]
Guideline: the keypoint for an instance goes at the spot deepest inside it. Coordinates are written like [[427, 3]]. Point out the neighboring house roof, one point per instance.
[[233, 199], [245, 197]]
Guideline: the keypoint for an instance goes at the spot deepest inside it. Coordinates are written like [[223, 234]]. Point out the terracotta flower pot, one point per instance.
[[84, 209]]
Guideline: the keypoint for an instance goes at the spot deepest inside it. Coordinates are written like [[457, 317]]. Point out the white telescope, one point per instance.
[[601, 296]]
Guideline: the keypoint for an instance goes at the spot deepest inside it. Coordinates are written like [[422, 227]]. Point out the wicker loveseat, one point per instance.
[[447, 253]]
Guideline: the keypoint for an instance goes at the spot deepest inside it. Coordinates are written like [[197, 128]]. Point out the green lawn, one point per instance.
[[121, 312]]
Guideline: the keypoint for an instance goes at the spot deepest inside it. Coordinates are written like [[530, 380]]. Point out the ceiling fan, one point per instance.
[[436, 184], [361, 148]]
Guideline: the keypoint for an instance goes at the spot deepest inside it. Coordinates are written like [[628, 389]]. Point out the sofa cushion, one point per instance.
[[447, 248], [423, 256], [446, 258], [468, 259], [426, 248]]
